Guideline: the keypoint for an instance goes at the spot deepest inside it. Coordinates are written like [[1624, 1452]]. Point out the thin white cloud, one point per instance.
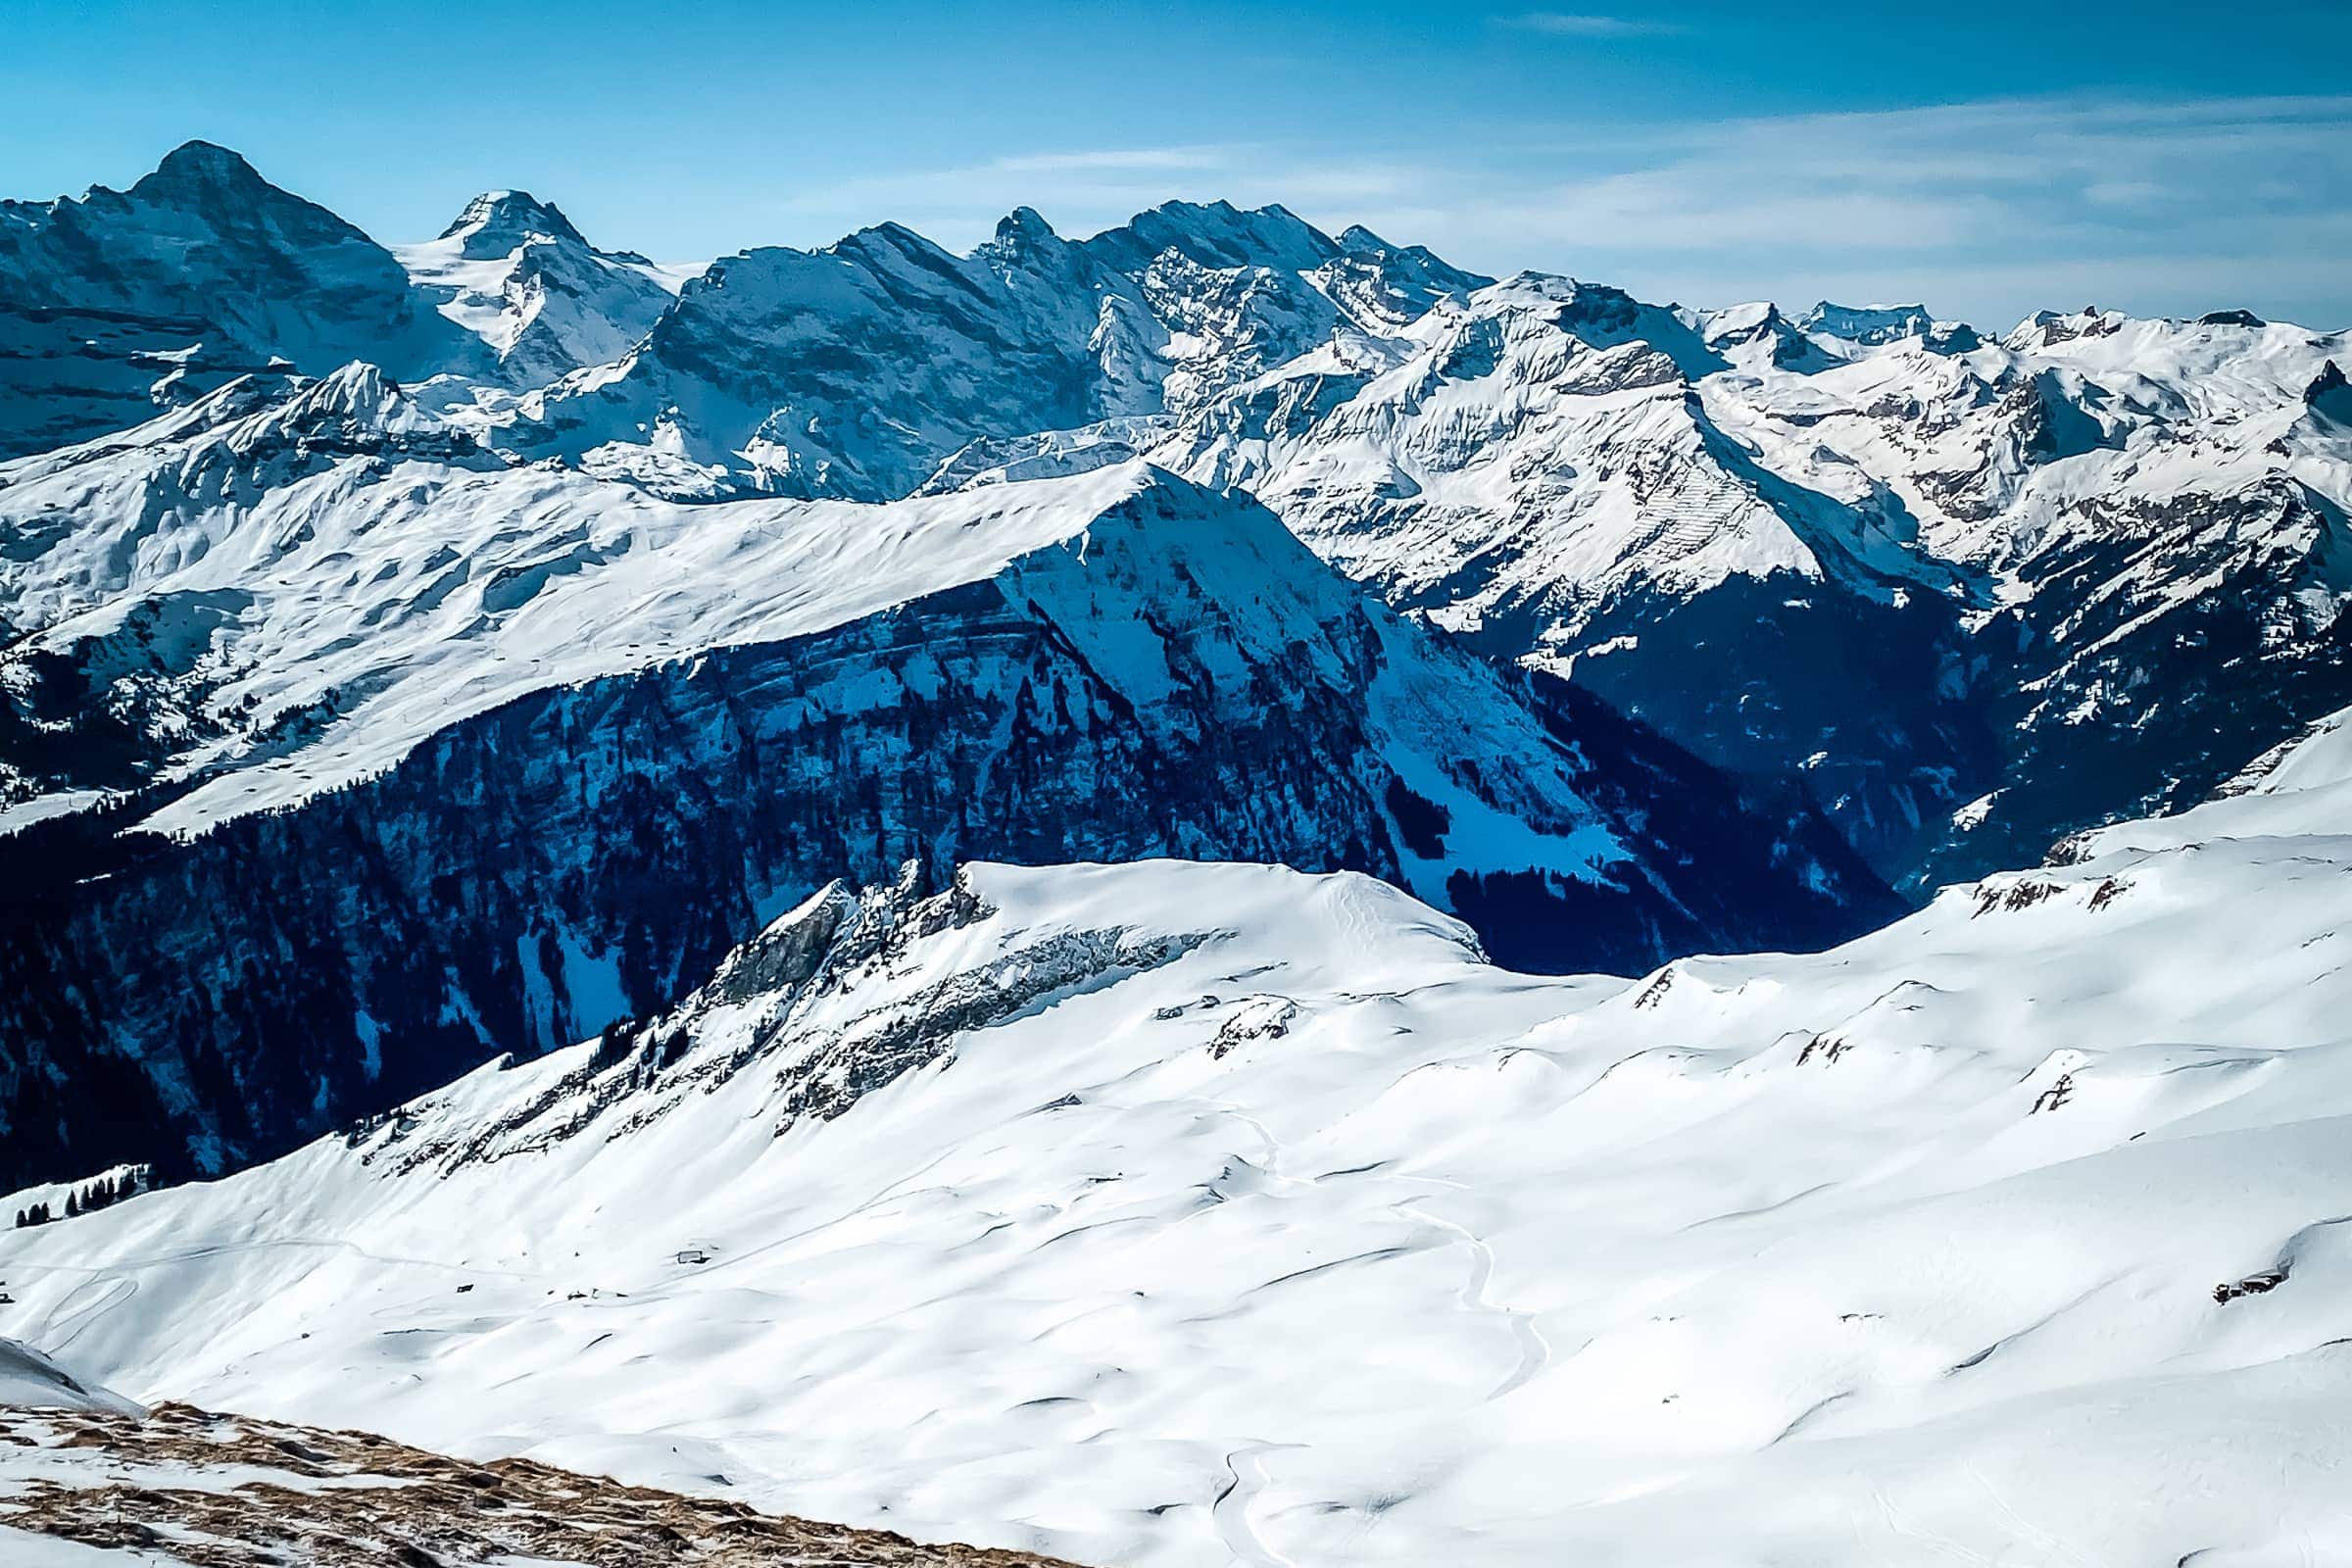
[[1984, 209], [1206, 157], [1988, 208], [1583, 25]]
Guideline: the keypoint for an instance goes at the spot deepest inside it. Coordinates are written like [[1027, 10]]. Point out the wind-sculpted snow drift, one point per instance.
[[1191, 1213]]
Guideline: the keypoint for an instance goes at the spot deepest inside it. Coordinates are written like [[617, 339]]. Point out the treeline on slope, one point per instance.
[[88, 1197]]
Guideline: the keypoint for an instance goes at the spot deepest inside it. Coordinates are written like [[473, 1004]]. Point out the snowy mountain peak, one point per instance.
[[201, 169], [1756, 334], [1876, 325], [498, 221], [514, 272], [355, 397], [1025, 222], [2328, 393], [1216, 234], [2048, 328], [888, 235], [201, 271], [1866, 323]]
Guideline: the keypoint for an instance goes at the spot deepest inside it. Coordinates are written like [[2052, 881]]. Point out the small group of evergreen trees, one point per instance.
[[103, 1193]]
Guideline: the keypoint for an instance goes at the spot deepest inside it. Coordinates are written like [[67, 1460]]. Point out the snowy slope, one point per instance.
[[29, 1379], [466, 756], [341, 552], [1158, 1213]]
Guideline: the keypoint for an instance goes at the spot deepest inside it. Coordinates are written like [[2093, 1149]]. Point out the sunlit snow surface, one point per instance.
[[1909, 1251], [1545, 443]]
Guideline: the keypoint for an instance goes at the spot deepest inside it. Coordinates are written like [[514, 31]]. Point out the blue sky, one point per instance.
[[1991, 159]]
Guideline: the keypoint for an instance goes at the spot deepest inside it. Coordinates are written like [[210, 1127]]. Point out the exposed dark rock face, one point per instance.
[[2108, 705], [2329, 395], [1800, 687], [72, 372], [837, 945]]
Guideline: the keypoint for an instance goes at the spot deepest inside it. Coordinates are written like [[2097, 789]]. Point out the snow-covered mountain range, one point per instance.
[[1960, 595], [1986, 589], [590, 734], [917, 888], [468, 755]]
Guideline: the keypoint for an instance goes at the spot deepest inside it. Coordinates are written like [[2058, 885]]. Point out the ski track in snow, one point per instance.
[[1534, 1353], [1247, 1469]]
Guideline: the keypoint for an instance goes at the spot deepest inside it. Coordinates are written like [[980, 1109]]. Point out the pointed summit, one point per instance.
[[197, 169], [1024, 225], [2329, 395], [1023, 240], [498, 223]]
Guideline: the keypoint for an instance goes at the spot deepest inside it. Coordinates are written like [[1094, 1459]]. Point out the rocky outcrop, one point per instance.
[[246, 1492]]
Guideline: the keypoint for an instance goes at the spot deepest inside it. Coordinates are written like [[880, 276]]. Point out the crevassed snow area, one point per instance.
[[1258, 1220]]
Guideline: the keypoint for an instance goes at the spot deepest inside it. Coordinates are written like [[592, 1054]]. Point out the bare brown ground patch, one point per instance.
[[354, 1499]]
